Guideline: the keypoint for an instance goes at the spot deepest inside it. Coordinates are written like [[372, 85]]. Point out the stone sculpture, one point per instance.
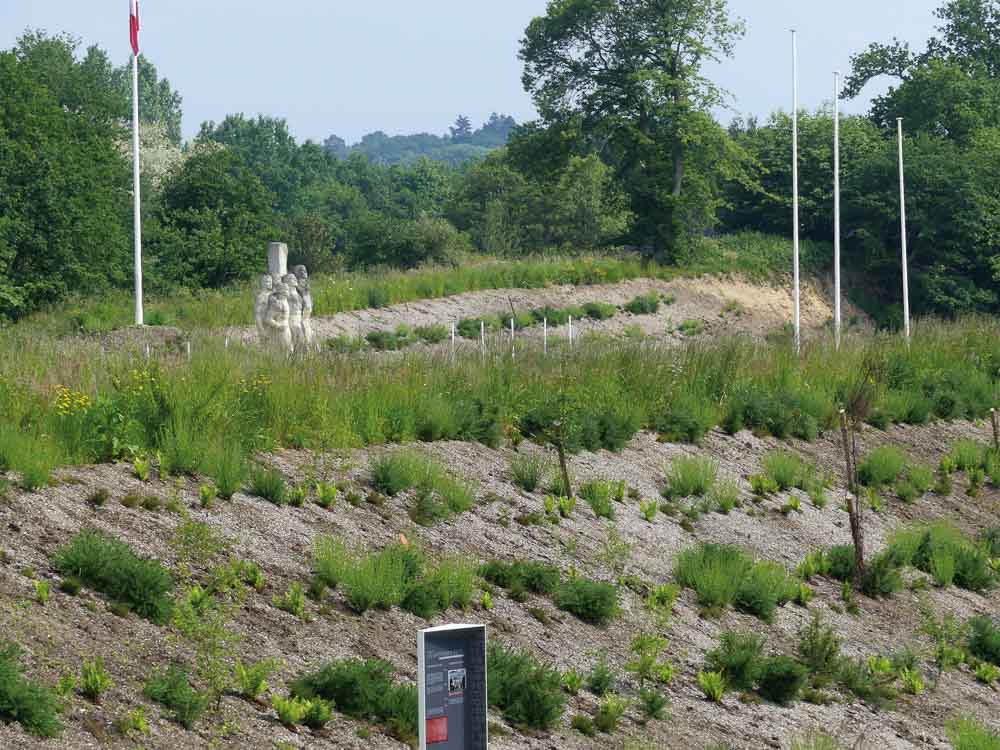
[[307, 305], [260, 306], [284, 306], [277, 323], [291, 283]]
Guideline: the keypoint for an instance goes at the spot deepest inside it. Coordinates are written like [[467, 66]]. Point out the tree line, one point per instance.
[[625, 153]]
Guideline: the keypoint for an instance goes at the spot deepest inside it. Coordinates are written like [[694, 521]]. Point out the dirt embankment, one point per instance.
[[720, 304], [57, 636]]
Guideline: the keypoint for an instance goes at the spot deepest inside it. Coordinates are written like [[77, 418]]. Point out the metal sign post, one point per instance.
[[451, 687]]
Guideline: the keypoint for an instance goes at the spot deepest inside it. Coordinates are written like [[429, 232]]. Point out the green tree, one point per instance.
[[213, 222], [589, 208], [159, 103], [632, 70], [461, 131], [64, 209]]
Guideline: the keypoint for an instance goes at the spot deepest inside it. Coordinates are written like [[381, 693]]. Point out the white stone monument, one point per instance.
[[277, 260]]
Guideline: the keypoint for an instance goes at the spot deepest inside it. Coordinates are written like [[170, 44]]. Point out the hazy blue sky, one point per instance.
[[351, 67]]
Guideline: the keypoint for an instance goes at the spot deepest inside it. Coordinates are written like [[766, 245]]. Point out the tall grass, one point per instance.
[[254, 401], [439, 495], [33, 706]]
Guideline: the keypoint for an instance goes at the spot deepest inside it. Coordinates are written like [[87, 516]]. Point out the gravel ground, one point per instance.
[[58, 636]]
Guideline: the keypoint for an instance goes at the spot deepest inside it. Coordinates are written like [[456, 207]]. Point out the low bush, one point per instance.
[[172, 689], [713, 685], [94, 679], [781, 679], [34, 707], [609, 713], [432, 334], [724, 496], [819, 649], [984, 640], [364, 690], [595, 602], [251, 681], [856, 676], [528, 471], [269, 484], [944, 552], [536, 577], [439, 496], [690, 476], [841, 562], [737, 658], [599, 310], [966, 733], [653, 703], [966, 455], [111, 567], [526, 692], [397, 575], [598, 495], [786, 469], [724, 575], [644, 304], [584, 725], [601, 678], [882, 467]]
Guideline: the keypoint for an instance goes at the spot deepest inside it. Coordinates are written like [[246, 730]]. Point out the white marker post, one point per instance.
[[570, 331], [902, 224], [453, 340], [482, 337], [545, 335], [512, 338], [836, 209], [795, 188]]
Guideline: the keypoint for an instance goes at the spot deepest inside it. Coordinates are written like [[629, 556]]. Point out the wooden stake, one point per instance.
[[854, 508]]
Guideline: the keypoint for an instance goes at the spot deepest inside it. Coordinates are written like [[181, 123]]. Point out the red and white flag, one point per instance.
[[133, 24]]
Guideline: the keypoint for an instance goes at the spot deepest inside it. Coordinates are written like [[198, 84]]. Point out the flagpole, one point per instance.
[[836, 208], [135, 190], [902, 224], [795, 187]]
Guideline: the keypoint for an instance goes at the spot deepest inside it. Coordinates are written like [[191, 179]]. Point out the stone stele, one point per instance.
[[277, 260]]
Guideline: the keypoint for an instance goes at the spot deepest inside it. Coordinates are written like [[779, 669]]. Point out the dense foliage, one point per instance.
[[625, 152]]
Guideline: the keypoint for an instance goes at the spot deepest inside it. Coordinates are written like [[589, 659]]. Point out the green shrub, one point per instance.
[[653, 703], [686, 418], [967, 455], [984, 640], [714, 571], [595, 602], [34, 707], [111, 567], [584, 725], [227, 466], [764, 587], [536, 577], [944, 552], [172, 689], [268, 484], [841, 562], [691, 327], [526, 692], [251, 681], [882, 466], [599, 310], [439, 496], [781, 679], [856, 676], [597, 494], [786, 469], [690, 476], [725, 496], [609, 713], [713, 685], [293, 601], [737, 658], [290, 710], [819, 648], [601, 678], [528, 471], [94, 679], [882, 577], [364, 690], [966, 733], [644, 304], [432, 334]]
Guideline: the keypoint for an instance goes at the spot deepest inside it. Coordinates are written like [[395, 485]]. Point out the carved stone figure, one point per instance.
[[291, 283], [260, 305], [277, 319], [307, 305]]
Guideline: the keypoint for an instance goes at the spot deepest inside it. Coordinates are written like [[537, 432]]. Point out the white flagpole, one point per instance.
[[836, 208], [795, 187], [135, 190], [902, 224]]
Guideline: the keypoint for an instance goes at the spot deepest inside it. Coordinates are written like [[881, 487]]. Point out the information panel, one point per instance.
[[451, 680]]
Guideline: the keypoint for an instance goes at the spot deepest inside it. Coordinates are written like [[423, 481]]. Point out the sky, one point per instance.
[[350, 68]]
